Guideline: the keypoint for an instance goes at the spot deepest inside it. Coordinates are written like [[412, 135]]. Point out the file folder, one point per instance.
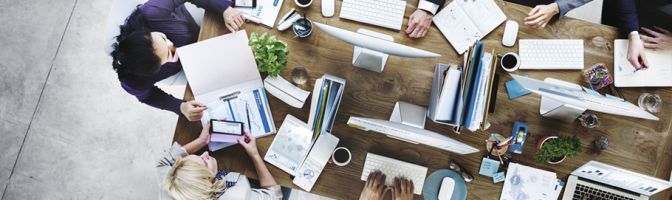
[[474, 92]]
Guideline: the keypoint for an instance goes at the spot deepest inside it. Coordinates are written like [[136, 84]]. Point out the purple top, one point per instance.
[[169, 17]]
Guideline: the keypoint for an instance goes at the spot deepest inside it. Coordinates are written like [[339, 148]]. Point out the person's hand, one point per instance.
[[635, 54], [233, 19], [204, 137], [419, 23], [540, 15], [403, 189], [192, 110], [374, 188], [249, 143], [659, 40]]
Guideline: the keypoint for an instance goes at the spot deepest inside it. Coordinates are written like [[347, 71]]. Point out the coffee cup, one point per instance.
[[302, 27], [510, 62], [303, 3], [341, 156]]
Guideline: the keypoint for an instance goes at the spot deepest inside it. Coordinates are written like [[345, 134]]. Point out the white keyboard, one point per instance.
[[550, 54], [384, 13], [394, 168]]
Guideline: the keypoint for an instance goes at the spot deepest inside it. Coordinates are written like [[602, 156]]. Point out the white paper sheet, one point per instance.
[[266, 10], [290, 146], [659, 73]]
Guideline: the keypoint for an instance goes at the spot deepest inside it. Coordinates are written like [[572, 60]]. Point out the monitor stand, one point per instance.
[[409, 114], [370, 59], [558, 110]]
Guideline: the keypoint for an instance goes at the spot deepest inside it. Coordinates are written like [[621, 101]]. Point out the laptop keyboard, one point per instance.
[[583, 192]]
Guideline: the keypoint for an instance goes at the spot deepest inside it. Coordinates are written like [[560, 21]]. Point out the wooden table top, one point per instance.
[[643, 146]]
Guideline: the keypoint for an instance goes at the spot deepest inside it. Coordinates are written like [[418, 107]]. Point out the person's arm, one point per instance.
[[567, 5], [431, 6], [159, 9], [200, 142], [420, 21], [627, 15], [153, 96], [250, 146]]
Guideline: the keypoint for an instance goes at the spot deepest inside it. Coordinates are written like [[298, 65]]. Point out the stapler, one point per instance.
[[289, 19]]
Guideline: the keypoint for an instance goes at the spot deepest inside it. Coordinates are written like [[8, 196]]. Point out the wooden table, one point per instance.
[[640, 145]]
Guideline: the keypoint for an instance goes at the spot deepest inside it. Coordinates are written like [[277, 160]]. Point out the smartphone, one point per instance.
[[226, 127], [245, 3]]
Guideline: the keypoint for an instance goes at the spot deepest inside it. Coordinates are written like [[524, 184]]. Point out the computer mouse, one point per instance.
[[510, 33], [447, 187]]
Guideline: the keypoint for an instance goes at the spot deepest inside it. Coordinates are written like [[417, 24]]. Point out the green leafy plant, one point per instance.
[[555, 148], [269, 52]]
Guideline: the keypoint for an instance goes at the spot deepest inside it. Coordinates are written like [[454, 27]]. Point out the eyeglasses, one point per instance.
[[460, 170]]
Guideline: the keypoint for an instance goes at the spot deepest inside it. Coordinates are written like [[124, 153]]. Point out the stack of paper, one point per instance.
[[523, 182]]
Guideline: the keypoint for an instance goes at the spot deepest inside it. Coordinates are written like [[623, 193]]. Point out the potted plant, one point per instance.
[[554, 149], [269, 52]]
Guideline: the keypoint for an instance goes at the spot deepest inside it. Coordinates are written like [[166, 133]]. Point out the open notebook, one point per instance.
[[659, 73], [464, 22]]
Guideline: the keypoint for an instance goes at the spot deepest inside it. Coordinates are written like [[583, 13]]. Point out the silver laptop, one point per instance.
[[597, 180]]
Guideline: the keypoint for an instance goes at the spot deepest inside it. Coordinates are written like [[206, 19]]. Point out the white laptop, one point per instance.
[[601, 181]]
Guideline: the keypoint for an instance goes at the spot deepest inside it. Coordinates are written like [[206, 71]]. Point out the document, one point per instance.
[[285, 91], [229, 85], [312, 167], [464, 22], [266, 10], [290, 146], [659, 73], [523, 182], [449, 92]]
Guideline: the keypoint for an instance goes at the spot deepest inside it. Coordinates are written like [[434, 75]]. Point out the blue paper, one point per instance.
[[515, 90], [498, 177], [488, 167]]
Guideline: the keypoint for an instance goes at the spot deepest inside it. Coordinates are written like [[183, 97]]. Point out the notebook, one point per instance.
[[465, 22], [657, 75]]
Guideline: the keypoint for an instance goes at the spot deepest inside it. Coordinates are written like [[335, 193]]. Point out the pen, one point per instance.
[[247, 110], [230, 96]]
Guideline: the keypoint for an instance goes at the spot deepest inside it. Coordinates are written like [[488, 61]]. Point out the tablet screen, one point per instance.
[[227, 127]]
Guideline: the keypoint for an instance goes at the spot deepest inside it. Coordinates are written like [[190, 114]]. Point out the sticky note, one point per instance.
[[488, 167], [515, 90], [498, 177]]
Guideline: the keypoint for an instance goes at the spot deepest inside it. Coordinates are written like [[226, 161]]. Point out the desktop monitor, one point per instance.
[[411, 134], [375, 43]]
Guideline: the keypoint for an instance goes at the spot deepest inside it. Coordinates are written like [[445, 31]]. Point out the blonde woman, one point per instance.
[[183, 175]]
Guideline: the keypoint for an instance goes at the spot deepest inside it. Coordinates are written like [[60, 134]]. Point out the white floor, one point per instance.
[[67, 129]]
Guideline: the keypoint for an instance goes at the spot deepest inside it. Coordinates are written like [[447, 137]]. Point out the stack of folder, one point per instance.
[[324, 105], [461, 95]]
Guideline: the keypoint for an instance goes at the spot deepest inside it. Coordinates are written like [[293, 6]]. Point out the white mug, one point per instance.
[[303, 5], [344, 163], [510, 68]]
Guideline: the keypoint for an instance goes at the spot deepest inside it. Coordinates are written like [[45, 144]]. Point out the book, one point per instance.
[[465, 22]]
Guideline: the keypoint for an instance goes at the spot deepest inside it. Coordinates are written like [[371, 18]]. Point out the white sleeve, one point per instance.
[[168, 158], [428, 6]]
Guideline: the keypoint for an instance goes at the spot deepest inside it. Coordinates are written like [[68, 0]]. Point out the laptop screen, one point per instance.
[[621, 178]]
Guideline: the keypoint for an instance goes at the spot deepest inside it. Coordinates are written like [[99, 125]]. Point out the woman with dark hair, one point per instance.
[[145, 50]]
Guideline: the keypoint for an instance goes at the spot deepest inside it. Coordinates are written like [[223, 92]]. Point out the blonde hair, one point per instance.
[[189, 179]]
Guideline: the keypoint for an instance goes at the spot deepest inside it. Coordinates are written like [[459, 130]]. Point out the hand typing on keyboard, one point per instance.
[[375, 188]]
